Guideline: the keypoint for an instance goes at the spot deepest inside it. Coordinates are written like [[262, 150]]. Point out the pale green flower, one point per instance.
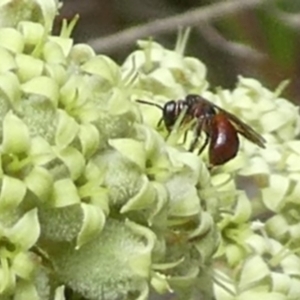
[[92, 199], [96, 199]]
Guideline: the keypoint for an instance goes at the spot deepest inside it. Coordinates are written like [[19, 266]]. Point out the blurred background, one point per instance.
[[260, 39]]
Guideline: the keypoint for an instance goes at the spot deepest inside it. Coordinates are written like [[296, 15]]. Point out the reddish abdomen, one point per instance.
[[224, 141]]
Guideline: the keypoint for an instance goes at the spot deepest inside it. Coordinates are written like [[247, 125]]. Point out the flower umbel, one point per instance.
[[95, 203]]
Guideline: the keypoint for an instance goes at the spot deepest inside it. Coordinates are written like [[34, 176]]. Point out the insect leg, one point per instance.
[[197, 132], [204, 144], [159, 122]]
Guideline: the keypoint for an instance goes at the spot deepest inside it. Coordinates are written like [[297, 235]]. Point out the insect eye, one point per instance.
[[169, 113]]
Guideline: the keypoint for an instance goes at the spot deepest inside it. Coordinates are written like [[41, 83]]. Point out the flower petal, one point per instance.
[[28, 67], [32, 32], [26, 231], [52, 53], [89, 139], [131, 149], [16, 138], [73, 159], [42, 86], [104, 67], [142, 200], [40, 183], [254, 270], [13, 191], [7, 62], [24, 265], [93, 223], [10, 88], [66, 131], [273, 196], [65, 193], [12, 40]]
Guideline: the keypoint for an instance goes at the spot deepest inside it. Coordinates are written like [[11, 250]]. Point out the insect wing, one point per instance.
[[247, 131], [241, 127]]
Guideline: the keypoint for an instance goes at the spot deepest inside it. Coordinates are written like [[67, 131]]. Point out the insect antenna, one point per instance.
[[150, 103], [153, 104]]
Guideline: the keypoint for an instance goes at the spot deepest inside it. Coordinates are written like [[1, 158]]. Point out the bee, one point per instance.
[[221, 127]]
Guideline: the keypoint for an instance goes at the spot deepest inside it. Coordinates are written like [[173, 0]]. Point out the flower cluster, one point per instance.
[[259, 195], [95, 203], [92, 198], [258, 191]]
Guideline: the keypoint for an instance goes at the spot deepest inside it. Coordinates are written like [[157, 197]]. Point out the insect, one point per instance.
[[221, 128]]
